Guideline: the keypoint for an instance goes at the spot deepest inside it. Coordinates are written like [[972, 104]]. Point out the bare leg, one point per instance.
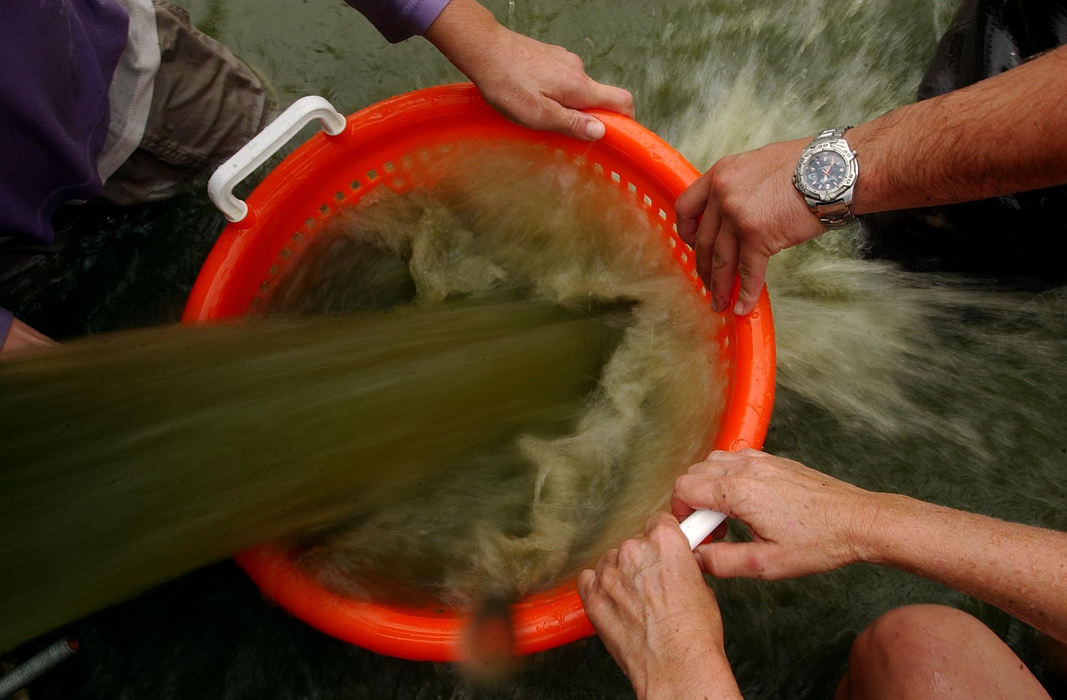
[[927, 651]]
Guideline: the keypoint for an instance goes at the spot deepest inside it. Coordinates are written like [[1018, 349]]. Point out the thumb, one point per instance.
[[736, 560], [571, 122]]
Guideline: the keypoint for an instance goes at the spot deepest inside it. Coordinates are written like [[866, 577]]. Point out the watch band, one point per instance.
[[830, 134], [834, 214]]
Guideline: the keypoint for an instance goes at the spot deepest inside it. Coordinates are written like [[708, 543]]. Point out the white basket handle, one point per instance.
[[265, 144]]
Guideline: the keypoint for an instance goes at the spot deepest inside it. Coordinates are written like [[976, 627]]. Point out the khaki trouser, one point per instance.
[[206, 104]]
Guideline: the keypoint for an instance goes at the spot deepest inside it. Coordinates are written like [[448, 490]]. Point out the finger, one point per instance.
[[552, 116], [706, 239], [586, 583], [720, 279], [704, 491], [738, 560], [720, 463], [752, 267], [659, 518], [679, 508], [601, 96], [689, 209], [682, 501], [725, 460], [609, 560], [722, 456], [589, 128], [664, 531]]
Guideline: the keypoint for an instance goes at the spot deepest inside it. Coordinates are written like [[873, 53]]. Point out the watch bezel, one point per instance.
[[841, 148]]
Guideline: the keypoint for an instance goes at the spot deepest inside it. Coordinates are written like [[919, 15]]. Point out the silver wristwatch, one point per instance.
[[826, 176]]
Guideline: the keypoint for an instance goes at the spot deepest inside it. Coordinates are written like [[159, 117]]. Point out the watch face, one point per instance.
[[825, 172]]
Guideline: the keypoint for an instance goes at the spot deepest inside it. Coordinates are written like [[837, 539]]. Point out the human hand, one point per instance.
[[802, 521], [22, 339], [537, 85], [659, 620], [740, 212], [543, 86]]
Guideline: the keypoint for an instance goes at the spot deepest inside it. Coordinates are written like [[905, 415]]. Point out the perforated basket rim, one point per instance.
[[287, 204]]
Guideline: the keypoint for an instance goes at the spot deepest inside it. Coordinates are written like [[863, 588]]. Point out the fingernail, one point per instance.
[[594, 129], [739, 309]]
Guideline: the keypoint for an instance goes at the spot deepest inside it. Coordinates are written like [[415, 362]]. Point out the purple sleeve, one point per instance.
[[56, 63], [399, 19], [5, 324]]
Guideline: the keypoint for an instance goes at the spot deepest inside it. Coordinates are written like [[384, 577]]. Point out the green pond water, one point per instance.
[[941, 387]]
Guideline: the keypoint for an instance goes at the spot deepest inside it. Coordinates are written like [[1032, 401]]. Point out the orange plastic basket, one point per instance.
[[375, 148]]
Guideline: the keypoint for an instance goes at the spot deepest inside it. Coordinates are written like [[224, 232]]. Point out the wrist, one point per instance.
[[863, 193], [876, 531], [699, 674]]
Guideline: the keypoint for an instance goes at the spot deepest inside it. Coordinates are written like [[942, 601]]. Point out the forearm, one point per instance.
[[1002, 135], [708, 678], [999, 136], [463, 32], [806, 522], [1018, 568], [534, 84]]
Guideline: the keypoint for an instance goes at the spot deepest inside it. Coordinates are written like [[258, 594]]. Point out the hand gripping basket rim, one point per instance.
[[372, 151]]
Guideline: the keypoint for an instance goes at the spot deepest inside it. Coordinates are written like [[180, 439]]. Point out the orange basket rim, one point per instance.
[[542, 620]]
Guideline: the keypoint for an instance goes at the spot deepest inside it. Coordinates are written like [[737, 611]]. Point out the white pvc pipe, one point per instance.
[[700, 524]]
